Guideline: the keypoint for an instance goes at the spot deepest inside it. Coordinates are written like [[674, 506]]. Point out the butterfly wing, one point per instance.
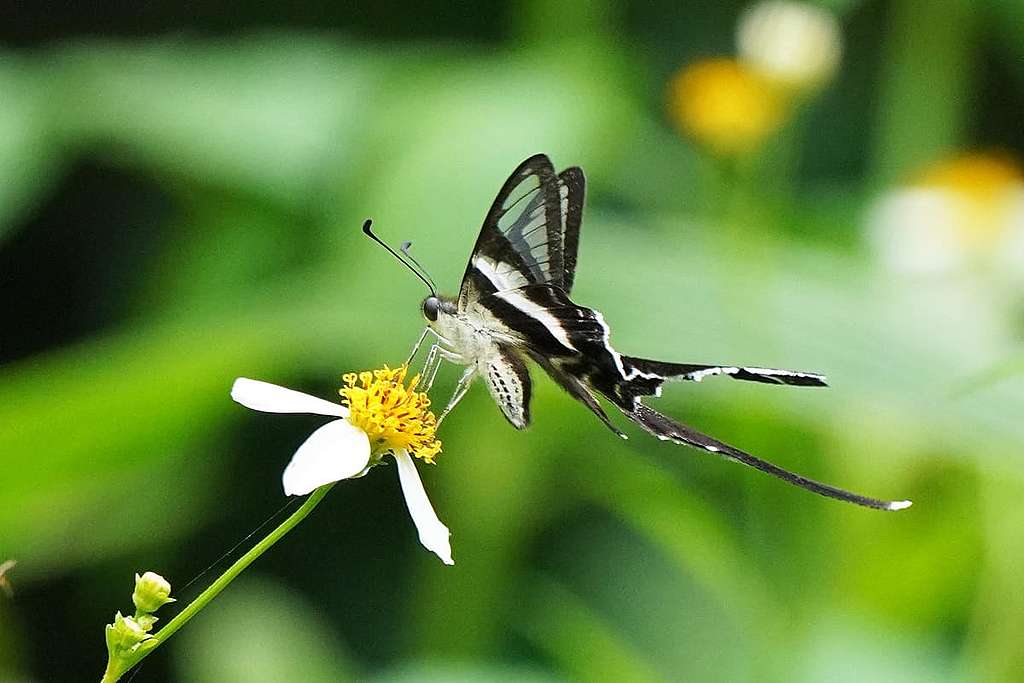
[[508, 380], [667, 429], [695, 373], [576, 388], [530, 234], [571, 343], [572, 191], [516, 289]]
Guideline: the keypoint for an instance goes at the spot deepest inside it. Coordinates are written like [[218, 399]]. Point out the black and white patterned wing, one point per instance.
[[508, 380], [695, 373], [667, 429], [572, 191], [530, 234], [571, 343], [541, 319]]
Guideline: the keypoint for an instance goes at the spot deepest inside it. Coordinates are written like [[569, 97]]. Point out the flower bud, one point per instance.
[[151, 592], [146, 621], [124, 634]]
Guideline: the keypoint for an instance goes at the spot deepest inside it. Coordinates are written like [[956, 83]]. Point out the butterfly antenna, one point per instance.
[[369, 233], [405, 250]]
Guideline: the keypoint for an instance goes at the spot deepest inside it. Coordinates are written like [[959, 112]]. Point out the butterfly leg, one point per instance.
[[430, 366], [460, 390], [436, 354], [418, 344]]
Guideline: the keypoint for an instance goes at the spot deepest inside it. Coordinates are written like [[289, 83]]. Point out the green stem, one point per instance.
[[925, 94], [115, 672]]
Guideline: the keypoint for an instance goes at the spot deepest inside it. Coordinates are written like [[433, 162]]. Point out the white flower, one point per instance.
[[795, 44], [962, 214], [341, 449]]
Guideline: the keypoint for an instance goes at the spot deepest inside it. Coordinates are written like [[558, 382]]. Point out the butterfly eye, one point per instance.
[[431, 305]]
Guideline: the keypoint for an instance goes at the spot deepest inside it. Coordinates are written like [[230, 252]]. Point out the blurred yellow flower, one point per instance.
[[963, 212], [795, 44], [988, 182], [725, 105]]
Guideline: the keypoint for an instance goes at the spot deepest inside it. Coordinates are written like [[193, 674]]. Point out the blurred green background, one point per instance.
[[181, 190]]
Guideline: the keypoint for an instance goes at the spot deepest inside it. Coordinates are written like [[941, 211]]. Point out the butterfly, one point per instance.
[[513, 307]]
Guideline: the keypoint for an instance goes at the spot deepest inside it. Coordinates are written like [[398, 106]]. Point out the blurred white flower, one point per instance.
[[966, 213], [383, 417], [796, 44]]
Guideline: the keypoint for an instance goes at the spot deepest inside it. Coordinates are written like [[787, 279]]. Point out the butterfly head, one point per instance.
[[436, 306], [431, 307]]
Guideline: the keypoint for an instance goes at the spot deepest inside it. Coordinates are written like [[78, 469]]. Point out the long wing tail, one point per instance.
[[666, 428], [693, 372]]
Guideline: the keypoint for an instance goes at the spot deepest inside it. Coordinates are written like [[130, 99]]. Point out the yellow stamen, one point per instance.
[[392, 415]]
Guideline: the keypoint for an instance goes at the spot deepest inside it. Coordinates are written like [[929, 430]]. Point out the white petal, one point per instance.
[[336, 451], [271, 398], [433, 534], [916, 231]]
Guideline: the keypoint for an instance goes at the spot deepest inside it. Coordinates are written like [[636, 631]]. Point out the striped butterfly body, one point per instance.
[[514, 307]]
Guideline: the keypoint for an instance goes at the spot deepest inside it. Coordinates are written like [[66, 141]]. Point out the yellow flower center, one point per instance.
[[393, 415], [982, 177], [986, 191]]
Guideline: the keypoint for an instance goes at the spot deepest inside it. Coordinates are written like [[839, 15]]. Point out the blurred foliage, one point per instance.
[[180, 206]]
